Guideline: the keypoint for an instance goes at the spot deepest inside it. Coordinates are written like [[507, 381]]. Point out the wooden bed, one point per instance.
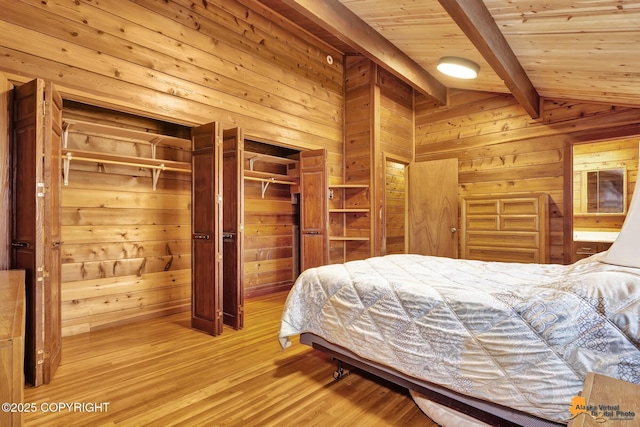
[[507, 344]]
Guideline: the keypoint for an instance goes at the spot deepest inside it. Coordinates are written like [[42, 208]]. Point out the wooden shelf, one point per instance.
[[349, 186], [348, 239], [252, 157], [155, 165], [266, 178], [349, 210], [113, 131], [270, 177], [138, 136]]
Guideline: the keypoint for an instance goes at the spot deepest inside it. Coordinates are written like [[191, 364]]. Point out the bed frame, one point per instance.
[[490, 413]]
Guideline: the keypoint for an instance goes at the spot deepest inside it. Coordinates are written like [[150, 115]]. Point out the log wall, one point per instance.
[[184, 63], [501, 150]]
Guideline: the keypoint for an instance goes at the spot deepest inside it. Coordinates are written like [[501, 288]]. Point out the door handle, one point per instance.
[[454, 230], [201, 236], [19, 244]]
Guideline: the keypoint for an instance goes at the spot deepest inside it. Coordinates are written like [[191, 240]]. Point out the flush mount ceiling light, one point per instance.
[[458, 67]]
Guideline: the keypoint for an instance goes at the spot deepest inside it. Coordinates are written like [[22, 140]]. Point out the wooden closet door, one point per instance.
[[36, 222], [314, 215], [233, 228], [206, 224]]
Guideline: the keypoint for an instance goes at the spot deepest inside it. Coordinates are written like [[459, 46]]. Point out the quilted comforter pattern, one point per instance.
[[520, 335]]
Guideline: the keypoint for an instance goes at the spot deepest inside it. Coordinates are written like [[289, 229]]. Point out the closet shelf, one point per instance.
[[349, 210], [270, 177], [155, 165], [252, 157], [349, 186], [349, 239], [113, 131]]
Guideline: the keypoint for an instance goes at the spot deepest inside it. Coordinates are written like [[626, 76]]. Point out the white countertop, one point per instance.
[[595, 236]]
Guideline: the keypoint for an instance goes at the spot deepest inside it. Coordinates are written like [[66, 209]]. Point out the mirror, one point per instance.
[[604, 191]]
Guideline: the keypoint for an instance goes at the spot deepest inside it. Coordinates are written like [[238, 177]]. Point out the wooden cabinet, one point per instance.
[[314, 244], [583, 250], [510, 228], [349, 219], [12, 326]]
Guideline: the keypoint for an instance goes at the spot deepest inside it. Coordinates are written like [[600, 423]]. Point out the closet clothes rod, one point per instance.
[[155, 168]]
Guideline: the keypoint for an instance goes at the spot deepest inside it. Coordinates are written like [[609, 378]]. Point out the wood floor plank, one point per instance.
[[161, 372]]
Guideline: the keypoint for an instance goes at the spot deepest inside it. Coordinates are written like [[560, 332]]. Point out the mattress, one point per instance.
[[520, 335]]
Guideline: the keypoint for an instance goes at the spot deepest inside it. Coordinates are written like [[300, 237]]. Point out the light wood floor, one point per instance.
[[160, 373]]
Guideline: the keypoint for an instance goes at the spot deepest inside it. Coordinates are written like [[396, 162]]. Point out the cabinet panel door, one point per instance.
[[36, 228], [206, 224], [233, 228], [314, 212]]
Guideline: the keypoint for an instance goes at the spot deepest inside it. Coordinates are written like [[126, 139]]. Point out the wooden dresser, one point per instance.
[[509, 228], [12, 318]]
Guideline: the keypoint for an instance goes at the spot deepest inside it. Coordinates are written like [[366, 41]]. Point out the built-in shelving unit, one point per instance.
[[348, 201], [136, 136]]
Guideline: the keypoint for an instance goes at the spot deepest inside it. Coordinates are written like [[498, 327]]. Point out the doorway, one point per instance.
[[604, 175]]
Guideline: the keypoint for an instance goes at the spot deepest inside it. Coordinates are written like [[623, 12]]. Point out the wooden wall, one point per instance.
[[604, 155], [395, 143], [359, 135], [186, 63], [500, 149], [127, 248], [182, 61], [379, 125]]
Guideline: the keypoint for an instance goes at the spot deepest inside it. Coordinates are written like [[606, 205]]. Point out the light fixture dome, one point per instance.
[[460, 68]]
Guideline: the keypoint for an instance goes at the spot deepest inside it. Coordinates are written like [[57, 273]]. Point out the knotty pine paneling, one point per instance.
[[379, 113], [268, 238], [181, 61], [185, 63], [127, 249], [501, 150], [603, 155]]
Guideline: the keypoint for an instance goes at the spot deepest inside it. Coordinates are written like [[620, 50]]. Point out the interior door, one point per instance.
[[233, 228], [206, 225], [433, 208], [314, 214], [36, 222]]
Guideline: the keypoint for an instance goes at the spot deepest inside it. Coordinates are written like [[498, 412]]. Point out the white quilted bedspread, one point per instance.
[[521, 335]]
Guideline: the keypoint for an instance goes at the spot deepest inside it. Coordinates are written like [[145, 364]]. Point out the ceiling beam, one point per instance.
[[475, 20], [337, 18]]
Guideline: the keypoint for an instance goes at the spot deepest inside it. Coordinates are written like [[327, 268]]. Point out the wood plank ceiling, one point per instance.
[[570, 50]]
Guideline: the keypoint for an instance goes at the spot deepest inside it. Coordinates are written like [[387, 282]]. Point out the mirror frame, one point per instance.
[[584, 193]]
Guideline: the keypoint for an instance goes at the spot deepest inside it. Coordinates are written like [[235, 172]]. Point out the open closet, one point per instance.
[[250, 201]]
